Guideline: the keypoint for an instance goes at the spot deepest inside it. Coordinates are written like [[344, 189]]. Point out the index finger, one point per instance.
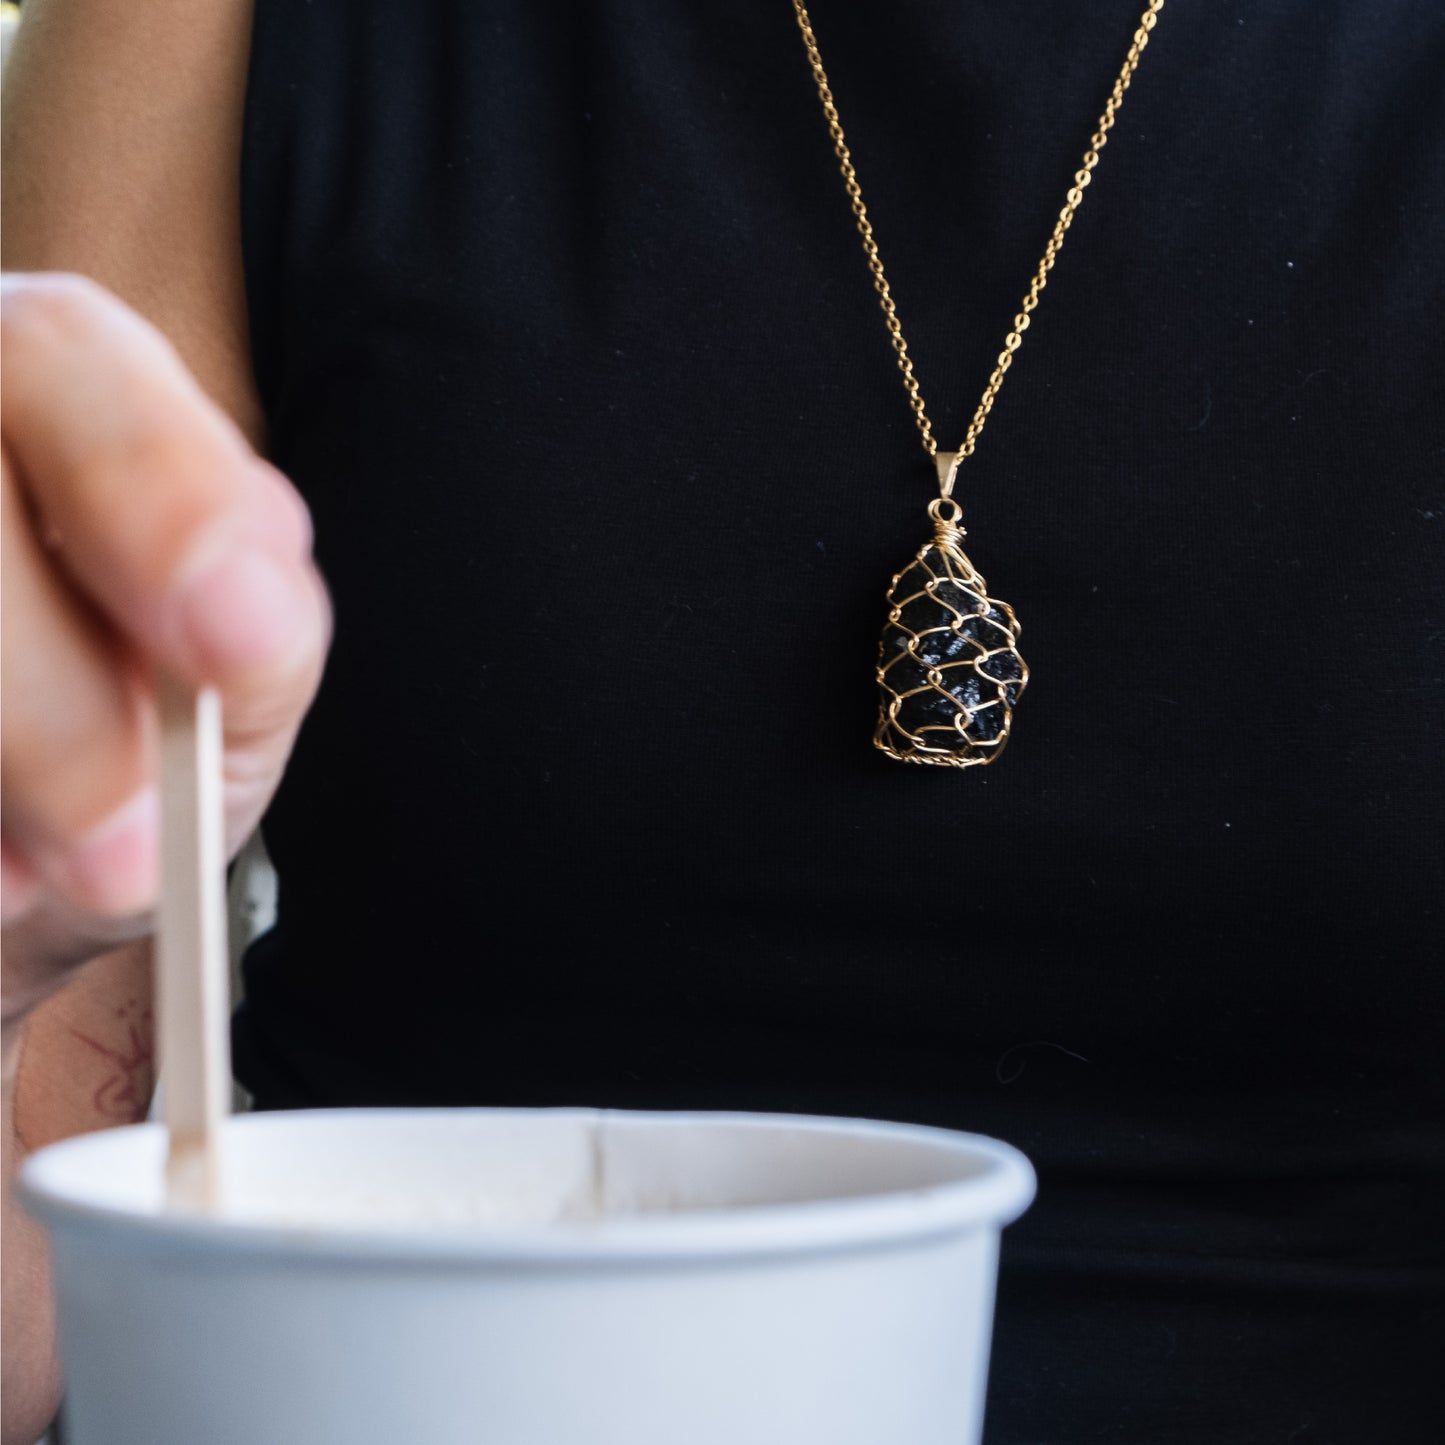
[[197, 550]]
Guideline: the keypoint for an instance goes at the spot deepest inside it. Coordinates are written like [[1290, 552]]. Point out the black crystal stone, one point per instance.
[[949, 669]]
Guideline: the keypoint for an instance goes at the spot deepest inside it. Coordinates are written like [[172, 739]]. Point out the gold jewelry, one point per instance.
[[949, 669]]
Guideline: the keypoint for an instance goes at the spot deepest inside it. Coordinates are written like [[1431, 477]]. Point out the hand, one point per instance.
[[140, 533]]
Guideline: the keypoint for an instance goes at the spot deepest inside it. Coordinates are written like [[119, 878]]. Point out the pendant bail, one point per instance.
[[947, 464]]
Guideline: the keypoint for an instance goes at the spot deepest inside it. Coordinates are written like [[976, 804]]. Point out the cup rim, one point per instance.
[[993, 1197]]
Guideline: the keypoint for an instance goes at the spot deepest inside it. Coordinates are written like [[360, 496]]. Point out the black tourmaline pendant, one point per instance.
[[948, 665]]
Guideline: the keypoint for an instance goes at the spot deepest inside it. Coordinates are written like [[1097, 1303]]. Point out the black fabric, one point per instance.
[[563, 329]]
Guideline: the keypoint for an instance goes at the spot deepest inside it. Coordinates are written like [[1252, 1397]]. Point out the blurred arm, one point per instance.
[[86, 1061], [121, 156], [121, 160]]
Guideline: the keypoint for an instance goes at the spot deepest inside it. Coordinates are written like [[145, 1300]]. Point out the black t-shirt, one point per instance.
[[563, 328]]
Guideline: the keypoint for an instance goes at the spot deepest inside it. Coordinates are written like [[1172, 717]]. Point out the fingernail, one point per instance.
[[113, 869], [245, 608]]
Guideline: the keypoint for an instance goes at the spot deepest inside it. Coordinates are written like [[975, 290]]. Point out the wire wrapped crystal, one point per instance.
[[949, 669]]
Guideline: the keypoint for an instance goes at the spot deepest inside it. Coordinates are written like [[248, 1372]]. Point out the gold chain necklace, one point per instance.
[[949, 669]]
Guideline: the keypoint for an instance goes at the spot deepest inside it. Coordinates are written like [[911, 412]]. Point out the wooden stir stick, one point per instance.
[[191, 967]]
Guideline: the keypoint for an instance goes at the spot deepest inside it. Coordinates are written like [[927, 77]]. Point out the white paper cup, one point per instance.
[[532, 1277]]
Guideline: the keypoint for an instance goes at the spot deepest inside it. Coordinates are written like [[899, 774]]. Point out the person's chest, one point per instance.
[[566, 334]]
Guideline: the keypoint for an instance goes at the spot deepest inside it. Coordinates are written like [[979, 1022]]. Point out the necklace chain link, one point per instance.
[[1040, 278]]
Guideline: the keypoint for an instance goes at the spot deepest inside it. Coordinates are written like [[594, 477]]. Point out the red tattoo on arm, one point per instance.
[[125, 1093]]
